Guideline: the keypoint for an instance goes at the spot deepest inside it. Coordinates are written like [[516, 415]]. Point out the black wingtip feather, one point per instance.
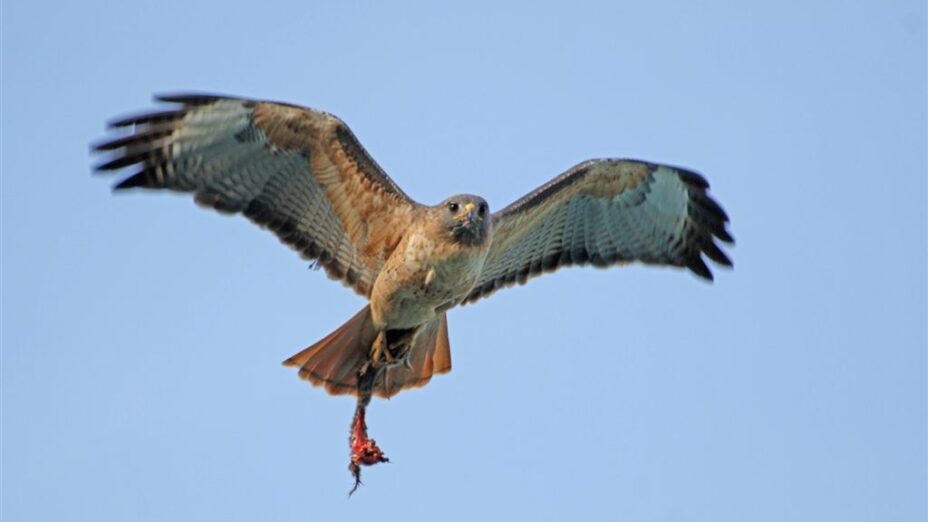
[[192, 98], [123, 161], [147, 118], [103, 146], [715, 253], [693, 178], [710, 206], [131, 139], [698, 266], [723, 235], [136, 180]]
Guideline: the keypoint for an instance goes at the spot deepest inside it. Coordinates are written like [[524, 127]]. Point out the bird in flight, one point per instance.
[[303, 175]]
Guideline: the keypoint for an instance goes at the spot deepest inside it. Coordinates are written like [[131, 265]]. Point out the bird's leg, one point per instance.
[[392, 348], [399, 347], [380, 352], [364, 450], [402, 355]]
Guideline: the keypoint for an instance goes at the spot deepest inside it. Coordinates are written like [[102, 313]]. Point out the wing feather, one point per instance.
[[299, 172], [605, 213]]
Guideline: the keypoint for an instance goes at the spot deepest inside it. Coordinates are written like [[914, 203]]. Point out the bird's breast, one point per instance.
[[424, 274], [438, 269]]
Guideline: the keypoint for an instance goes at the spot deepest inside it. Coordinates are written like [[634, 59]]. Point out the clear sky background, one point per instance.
[[142, 336]]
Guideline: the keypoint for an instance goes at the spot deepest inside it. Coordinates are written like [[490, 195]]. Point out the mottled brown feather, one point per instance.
[[299, 172]]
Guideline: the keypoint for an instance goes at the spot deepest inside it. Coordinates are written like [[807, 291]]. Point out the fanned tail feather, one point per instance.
[[334, 361]]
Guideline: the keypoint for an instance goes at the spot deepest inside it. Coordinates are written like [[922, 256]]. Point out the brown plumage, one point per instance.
[[302, 174]]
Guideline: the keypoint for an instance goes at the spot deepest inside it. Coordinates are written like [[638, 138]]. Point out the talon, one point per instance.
[[388, 357]]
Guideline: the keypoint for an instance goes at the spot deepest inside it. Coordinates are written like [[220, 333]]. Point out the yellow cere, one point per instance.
[[463, 214]]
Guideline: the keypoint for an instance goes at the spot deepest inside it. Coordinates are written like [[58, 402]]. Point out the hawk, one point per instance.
[[302, 174]]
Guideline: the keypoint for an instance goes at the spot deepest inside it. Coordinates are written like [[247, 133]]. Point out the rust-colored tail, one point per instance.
[[334, 361]]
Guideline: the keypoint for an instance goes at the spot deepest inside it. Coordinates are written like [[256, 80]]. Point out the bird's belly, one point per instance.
[[411, 294]]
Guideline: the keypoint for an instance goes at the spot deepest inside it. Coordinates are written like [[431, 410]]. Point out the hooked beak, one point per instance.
[[467, 213]]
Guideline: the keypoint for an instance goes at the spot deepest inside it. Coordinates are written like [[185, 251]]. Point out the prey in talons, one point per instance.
[[364, 450]]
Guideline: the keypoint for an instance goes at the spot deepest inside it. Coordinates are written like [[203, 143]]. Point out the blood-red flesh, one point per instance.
[[364, 450]]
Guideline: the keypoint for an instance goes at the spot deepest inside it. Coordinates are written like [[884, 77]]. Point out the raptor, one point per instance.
[[303, 175]]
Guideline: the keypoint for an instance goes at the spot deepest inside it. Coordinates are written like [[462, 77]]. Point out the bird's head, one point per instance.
[[466, 217]]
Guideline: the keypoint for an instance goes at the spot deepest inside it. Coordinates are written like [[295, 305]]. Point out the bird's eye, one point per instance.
[[453, 207], [482, 209]]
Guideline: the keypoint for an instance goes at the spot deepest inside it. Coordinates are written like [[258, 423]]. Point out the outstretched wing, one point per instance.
[[606, 212], [299, 172]]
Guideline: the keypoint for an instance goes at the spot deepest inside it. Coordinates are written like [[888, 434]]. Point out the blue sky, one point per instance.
[[142, 336]]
